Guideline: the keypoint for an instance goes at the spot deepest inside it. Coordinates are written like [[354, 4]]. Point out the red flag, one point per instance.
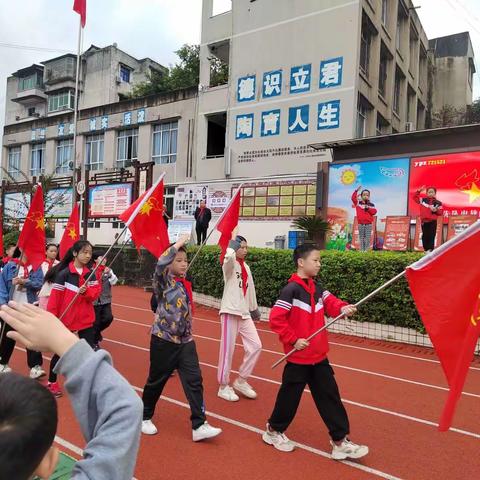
[[32, 237], [145, 220], [72, 231], [228, 223], [445, 285], [80, 6]]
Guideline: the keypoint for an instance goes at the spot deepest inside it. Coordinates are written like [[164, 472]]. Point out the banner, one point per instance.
[[456, 177], [58, 203], [387, 181], [109, 200], [356, 237], [397, 234], [16, 205], [458, 224], [417, 242]]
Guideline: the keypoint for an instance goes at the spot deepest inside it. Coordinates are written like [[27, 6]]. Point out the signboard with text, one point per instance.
[[458, 224], [109, 200], [397, 233]]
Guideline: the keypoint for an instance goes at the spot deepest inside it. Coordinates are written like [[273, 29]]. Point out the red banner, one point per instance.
[[356, 237], [397, 233], [457, 180], [417, 243], [458, 224]]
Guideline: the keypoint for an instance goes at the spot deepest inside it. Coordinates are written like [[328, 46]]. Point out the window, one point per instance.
[[37, 159], [401, 22], [125, 74], [127, 147], [397, 91], [27, 83], [64, 156], [383, 126], [14, 157], [165, 142], [420, 115], [385, 12], [411, 105], [422, 72], [216, 132], [363, 108], [94, 152], [365, 44], [168, 198], [31, 111], [413, 61], [383, 70], [61, 101]]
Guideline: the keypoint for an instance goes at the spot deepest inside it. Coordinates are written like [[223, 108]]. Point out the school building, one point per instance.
[[294, 80]]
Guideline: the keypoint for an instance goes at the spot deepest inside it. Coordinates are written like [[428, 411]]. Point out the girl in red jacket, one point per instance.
[[69, 277], [430, 210], [366, 212]]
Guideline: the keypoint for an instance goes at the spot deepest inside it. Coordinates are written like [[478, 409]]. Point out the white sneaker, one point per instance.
[[5, 369], [279, 440], [37, 372], [228, 394], [205, 431], [348, 449], [148, 428], [245, 389]]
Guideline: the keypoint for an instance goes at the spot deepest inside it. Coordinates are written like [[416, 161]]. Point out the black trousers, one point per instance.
[[88, 334], [103, 319], [429, 231], [165, 357], [201, 233], [7, 346], [321, 380]]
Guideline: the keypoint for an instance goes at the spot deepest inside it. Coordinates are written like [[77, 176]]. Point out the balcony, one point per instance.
[[29, 97], [60, 73]]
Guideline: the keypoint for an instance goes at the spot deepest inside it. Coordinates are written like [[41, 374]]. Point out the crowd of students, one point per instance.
[[111, 415]]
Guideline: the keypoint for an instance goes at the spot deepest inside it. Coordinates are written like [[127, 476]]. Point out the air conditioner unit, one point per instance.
[[409, 127]]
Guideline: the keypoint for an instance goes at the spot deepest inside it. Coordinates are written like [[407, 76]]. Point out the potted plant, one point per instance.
[[315, 228]]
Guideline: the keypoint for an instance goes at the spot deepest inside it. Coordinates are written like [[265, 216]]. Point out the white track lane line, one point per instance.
[[357, 404], [78, 451], [372, 350], [336, 365]]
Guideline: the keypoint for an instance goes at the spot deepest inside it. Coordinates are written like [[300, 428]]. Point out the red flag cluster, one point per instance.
[[446, 288]]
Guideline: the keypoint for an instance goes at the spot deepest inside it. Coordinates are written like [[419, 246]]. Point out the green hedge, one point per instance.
[[348, 275]]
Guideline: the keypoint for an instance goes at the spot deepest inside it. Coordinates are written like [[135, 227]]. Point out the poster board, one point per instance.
[[457, 224], [187, 199], [397, 233], [417, 242], [109, 200], [177, 228]]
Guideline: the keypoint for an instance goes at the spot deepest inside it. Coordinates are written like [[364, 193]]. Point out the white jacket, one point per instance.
[[234, 302]]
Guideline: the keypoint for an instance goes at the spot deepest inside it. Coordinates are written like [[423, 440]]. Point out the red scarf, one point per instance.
[[309, 286], [201, 212], [100, 271], [244, 276], [50, 263], [6, 259], [188, 288], [25, 266]]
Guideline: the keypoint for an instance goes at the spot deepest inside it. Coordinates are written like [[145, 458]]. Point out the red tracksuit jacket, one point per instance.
[[425, 213], [67, 283], [365, 210], [292, 318]]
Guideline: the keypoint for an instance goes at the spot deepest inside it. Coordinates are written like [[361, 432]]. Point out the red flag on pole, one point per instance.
[[145, 220], [80, 6], [446, 288], [32, 237], [72, 231], [228, 223]]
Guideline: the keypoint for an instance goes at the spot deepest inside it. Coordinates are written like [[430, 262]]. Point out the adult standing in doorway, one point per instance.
[[203, 215]]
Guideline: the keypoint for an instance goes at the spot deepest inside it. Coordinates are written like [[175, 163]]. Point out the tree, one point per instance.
[[448, 116], [473, 112], [184, 74], [315, 227]]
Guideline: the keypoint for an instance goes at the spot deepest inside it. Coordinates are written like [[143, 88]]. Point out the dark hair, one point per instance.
[[240, 239], [303, 251], [431, 188], [97, 253], [28, 423], [10, 245], [364, 190], [78, 246], [51, 245], [17, 253]]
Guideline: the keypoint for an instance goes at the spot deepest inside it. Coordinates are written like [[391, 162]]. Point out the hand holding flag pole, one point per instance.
[[141, 202]]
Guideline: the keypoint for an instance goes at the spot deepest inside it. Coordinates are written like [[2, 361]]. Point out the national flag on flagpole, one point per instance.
[[80, 6], [144, 219], [445, 285], [72, 231], [228, 223], [32, 237]]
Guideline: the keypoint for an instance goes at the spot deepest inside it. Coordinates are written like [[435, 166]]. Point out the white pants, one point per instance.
[[232, 325]]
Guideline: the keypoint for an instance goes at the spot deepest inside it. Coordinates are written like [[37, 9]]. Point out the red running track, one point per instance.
[[393, 393]]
